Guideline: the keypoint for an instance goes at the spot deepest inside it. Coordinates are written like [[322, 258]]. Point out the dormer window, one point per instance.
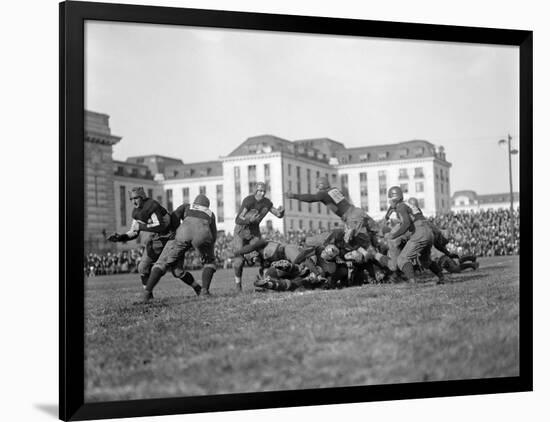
[[383, 155]]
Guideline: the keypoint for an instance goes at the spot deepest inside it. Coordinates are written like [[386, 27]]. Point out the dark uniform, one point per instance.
[[247, 233], [153, 218], [356, 219]]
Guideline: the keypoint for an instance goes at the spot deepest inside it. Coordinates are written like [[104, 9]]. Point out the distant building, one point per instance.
[[469, 200], [363, 174]]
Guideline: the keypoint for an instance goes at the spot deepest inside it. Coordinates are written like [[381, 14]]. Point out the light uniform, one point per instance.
[[198, 231]]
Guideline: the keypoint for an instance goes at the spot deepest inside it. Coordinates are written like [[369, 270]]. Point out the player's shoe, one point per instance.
[[263, 282], [476, 265], [147, 296], [199, 290], [440, 279]]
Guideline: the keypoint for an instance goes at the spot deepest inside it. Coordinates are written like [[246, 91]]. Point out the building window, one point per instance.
[[364, 191], [291, 224], [202, 190], [404, 187], [300, 224], [290, 190], [318, 176], [185, 195], [344, 182], [219, 200], [169, 200], [403, 174], [382, 183], [383, 190], [289, 170], [419, 187], [403, 153], [150, 193], [419, 172], [123, 206], [308, 181], [364, 157], [419, 151], [267, 180], [251, 178], [320, 225], [311, 225], [299, 187], [159, 199], [383, 155], [237, 175]]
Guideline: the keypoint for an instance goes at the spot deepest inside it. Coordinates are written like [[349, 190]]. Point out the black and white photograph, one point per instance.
[[260, 210], [271, 211]]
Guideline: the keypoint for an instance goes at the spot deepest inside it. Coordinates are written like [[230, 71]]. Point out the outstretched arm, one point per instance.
[[306, 197], [278, 212], [129, 235]]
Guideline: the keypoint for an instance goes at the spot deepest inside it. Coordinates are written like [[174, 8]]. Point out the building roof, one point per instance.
[[261, 144], [496, 197], [389, 152], [135, 158], [194, 170], [138, 171], [490, 198]]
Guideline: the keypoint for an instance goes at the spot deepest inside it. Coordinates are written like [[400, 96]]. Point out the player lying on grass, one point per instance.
[[445, 259], [197, 230], [247, 225], [151, 217]]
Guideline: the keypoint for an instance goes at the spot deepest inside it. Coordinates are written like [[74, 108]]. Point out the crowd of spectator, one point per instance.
[[481, 233]]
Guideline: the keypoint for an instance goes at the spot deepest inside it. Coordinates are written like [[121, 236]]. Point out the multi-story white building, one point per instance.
[[364, 174], [469, 200]]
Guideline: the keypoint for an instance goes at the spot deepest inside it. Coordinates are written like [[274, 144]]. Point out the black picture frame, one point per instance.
[[72, 16]]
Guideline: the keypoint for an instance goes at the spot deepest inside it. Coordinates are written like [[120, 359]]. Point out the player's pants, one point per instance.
[[238, 260], [190, 234], [418, 246]]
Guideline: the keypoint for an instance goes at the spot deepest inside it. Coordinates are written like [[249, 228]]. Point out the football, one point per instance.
[[251, 214]]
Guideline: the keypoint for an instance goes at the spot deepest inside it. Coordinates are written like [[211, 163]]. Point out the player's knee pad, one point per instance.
[[210, 265], [178, 272], [144, 268], [238, 263], [401, 261], [161, 266]]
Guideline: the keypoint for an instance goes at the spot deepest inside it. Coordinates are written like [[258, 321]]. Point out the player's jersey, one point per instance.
[[152, 216], [273, 251], [332, 198], [406, 220], [177, 215], [251, 203]]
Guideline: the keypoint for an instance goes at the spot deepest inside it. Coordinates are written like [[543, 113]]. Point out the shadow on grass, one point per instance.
[[50, 409]]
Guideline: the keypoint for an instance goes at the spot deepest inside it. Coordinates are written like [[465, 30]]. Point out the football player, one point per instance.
[[197, 230], [247, 225], [147, 216], [355, 219], [418, 236]]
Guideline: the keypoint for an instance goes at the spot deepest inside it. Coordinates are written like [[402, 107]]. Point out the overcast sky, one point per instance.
[[196, 93]]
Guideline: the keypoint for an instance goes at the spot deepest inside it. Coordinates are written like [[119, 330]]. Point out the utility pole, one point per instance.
[[510, 153]]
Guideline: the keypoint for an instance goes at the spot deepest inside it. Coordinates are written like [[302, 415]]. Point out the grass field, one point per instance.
[[183, 345]]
